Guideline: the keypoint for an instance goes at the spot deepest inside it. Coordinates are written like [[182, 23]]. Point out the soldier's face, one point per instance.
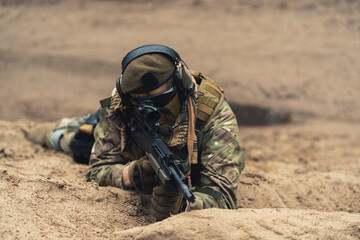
[[170, 111]]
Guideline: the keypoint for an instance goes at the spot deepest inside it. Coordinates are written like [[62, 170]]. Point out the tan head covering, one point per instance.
[[146, 72]]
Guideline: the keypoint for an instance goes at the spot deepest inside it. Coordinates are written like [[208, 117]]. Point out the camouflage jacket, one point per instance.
[[214, 179]]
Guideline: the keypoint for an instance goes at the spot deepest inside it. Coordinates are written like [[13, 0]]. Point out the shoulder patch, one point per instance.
[[105, 102], [210, 99]]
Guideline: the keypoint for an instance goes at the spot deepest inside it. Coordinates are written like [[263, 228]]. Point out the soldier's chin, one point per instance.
[[164, 123], [166, 120]]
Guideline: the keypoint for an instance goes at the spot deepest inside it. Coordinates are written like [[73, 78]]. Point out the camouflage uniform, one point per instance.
[[67, 127], [214, 179]]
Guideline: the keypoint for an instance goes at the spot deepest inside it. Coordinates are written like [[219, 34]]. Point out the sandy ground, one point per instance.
[[301, 181]]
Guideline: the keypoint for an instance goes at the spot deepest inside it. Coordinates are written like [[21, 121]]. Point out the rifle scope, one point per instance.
[[149, 111]]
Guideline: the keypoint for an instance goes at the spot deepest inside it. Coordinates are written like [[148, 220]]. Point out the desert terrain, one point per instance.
[[58, 58]]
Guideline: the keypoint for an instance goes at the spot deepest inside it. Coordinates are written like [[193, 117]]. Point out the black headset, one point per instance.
[[183, 81]]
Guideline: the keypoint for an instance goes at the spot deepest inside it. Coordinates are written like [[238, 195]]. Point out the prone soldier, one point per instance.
[[195, 122]]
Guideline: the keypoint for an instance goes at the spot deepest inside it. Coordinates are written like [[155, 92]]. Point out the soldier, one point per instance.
[[204, 131], [196, 123]]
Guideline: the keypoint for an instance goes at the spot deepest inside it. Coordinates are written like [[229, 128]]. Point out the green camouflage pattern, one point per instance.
[[222, 160], [221, 157]]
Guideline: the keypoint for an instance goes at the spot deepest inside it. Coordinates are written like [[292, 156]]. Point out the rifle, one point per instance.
[[144, 131]]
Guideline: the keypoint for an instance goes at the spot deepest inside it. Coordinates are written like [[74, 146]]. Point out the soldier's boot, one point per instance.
[[39, 134]]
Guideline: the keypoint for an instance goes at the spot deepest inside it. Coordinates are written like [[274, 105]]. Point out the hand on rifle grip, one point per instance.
[[165, 203], [141, 175]]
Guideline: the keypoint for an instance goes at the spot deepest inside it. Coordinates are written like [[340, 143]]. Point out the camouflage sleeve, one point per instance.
[[222, 161], [107, 161]]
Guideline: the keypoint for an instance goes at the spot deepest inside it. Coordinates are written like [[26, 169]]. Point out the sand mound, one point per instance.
[[44, 193], [251, 224]]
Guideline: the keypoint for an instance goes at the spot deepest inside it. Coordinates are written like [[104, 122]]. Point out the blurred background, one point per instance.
[[58, 58]]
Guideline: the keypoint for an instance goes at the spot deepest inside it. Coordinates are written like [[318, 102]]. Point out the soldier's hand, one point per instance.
[[165, 202], [141, 175]]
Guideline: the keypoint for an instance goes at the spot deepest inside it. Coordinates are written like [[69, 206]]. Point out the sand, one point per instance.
[[301, 180]]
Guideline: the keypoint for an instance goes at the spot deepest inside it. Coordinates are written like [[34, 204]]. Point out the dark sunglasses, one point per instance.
[[160, 100]]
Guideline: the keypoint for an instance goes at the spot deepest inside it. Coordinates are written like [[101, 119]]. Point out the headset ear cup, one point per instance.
[[178, 72], [118, 89], [178, 82], [183, 82], [186, 81]]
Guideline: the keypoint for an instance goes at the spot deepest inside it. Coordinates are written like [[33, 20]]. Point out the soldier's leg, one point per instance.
[[56, 135], [60, 137], [39, 133], [73, 136]]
